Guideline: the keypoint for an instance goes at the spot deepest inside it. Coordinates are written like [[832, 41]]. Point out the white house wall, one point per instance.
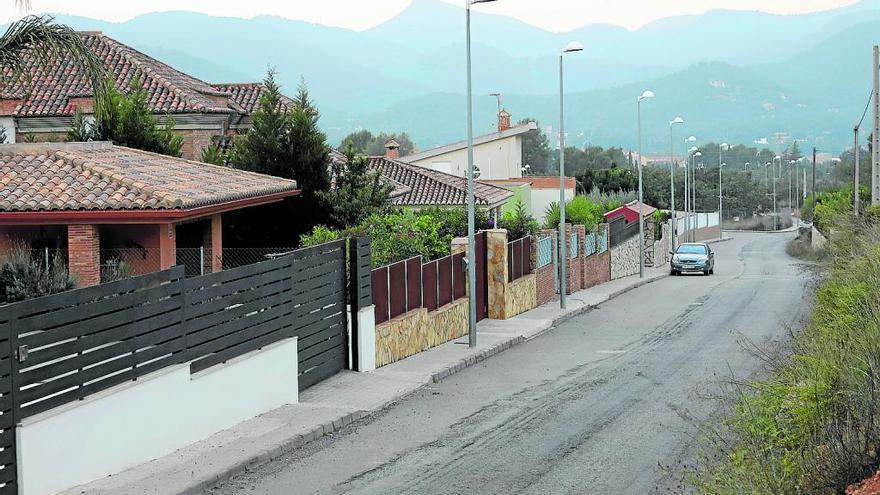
[[541, 199], [499, 159], [133, 423]]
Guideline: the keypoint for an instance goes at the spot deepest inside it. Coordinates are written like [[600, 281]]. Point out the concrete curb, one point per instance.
[[287, 445]]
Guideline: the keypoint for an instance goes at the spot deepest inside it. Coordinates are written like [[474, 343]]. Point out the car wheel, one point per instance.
[[706, 272], [673, 273], [712, 271]]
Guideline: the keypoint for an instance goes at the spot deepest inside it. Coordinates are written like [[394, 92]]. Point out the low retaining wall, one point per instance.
[[817, 240], [130, 424], [419, 330]]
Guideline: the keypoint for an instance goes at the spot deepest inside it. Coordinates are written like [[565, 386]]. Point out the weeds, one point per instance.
[[812, 426]]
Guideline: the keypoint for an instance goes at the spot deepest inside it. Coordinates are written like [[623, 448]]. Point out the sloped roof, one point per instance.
[[432, 188], [536, 181], [100, 176], [632, 206], [247, 95], [169, 90]]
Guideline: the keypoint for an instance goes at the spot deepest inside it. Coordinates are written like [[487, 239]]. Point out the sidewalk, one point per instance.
[[341, 400]]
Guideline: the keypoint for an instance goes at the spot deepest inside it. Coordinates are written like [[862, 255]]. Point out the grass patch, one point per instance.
[[812, 425], [801, 247]]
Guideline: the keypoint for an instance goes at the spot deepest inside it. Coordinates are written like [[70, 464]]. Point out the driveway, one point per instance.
[[598, 405]]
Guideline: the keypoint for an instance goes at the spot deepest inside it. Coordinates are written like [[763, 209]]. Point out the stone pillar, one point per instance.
[[496, 272], [84, 254], [167, 246], [216, 251]]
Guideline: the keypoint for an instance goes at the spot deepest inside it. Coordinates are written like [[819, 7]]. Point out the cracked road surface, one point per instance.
[[596, 406]]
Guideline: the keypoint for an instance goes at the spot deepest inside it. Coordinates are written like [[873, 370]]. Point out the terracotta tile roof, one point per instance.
[[432, 188], [169, 90], [98, 176], [247, 95], [536, 181]]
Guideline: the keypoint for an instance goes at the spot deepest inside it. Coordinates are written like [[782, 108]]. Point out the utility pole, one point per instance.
[[856, 171], [875, 137]]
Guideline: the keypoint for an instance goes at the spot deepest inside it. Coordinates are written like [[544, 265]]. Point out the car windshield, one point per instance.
[[691, 249]]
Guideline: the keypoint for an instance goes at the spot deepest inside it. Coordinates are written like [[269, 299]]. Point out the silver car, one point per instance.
[[692, 257]]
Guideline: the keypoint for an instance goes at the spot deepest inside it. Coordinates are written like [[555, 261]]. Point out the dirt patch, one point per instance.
[[870, 486]]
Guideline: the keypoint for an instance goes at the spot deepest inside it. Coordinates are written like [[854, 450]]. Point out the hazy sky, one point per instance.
[[554, 15]]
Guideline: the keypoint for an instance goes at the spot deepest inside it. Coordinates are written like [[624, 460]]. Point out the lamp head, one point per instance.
[[693, 148], [646, 94], [698, 153], [474, 2], [724, 146], [677, 120], [574, 46], [690, 139]]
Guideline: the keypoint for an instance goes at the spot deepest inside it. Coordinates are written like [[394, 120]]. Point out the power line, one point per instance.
[[867, 106]]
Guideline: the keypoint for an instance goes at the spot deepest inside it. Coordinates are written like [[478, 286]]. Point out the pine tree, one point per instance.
[[263, 148], [308, 145], [358, 192], [126, 120]]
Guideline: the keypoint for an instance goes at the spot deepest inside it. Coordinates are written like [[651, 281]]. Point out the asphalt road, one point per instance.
[[599, 405]]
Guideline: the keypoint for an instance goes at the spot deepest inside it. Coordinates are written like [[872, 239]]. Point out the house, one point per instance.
[[496, 156], [536, 192], [630, 212], [418, 187], [90, 202], [203, 113]]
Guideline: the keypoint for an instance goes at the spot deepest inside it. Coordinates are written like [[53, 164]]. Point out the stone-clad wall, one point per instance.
[[419, 330], [521, 296], [625, 258], [662, 247]]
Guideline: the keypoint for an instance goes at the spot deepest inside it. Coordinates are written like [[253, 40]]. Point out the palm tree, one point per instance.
[[55, 41]]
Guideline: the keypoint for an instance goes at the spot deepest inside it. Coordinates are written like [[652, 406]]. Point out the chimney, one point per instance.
[[503, 120], [392, 150]]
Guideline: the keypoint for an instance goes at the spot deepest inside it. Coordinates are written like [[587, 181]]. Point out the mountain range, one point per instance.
[[734, 75]]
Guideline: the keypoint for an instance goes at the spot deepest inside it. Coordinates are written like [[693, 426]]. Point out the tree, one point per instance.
[[81, 129], [308, 145], [358, 191], [365, 143], [536, 150], [126, 120], [40, 39], [213, 155]]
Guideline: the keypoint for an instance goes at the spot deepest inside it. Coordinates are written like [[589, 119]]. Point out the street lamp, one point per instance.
[[692, 235], [644, 96], [673, 122], [720, 204], [687, 190], [572, 47], [471, 254]]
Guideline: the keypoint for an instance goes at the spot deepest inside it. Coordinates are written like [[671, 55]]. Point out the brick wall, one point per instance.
[[597, 269], [42, 137], [545, 276], [84, 254], [575, 265], [196, 140]]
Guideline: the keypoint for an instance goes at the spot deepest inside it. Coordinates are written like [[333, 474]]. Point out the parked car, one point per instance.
[[692, 257]]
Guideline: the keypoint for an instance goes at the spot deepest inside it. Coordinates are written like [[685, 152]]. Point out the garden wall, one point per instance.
[[625, 258], [419, 330]]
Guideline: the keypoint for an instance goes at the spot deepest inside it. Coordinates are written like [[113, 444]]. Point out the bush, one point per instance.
[[828, 205], [520, 223], [454, 221], [23, 276], [580, 211], [811, 426], [319, 235]]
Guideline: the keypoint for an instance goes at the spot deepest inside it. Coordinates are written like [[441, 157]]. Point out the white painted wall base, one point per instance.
[[367, 338], [133, 423]]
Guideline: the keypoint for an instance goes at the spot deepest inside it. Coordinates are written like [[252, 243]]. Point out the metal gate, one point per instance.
[[320, 313], [8, 468], [482, 281]]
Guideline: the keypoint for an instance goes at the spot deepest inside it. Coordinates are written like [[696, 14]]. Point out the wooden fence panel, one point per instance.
[[8, 468], [413, 283], [379, 284], [397, 288], [444, 277], [459, 277], [429, 285]]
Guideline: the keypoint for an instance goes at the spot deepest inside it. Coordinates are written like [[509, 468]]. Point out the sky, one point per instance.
[[552, 15]]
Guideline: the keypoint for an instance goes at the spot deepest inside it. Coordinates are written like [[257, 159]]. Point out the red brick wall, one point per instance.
[[575, 265], [196, 140], [545, 277], [84, 255], [597, 269]]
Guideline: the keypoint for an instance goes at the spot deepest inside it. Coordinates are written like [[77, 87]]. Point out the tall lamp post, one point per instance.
[[687, 190], [672, 164], [692, 235], [720, 203], [644, 96], [472, 244], [572, 47]]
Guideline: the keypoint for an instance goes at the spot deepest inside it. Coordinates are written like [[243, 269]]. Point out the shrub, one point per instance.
[[23, 276], [454, 221], [580, 211], [811, 426], [519, 223], [828, 205], [319, 235]]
